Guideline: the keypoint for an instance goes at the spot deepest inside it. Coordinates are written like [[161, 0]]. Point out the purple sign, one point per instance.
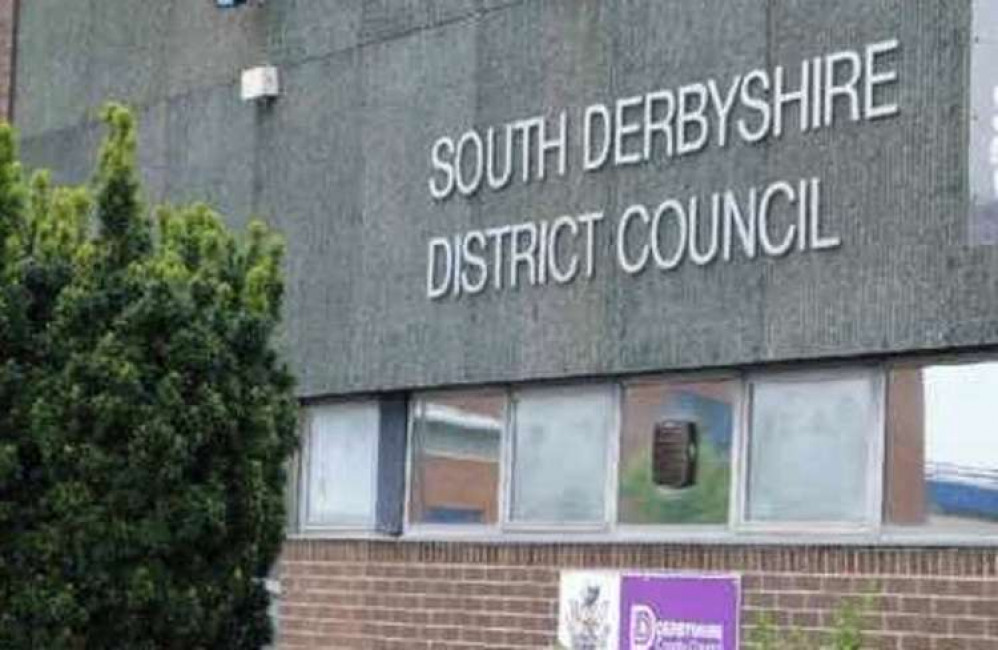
[[679, 612]]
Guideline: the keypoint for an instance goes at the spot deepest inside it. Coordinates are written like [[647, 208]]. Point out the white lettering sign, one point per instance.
[[771, 220]]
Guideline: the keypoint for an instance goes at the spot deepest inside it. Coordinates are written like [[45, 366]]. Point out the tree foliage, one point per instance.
[[145, 418]]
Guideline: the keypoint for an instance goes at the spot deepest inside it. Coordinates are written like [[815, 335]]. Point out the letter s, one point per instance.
[[440, 147]]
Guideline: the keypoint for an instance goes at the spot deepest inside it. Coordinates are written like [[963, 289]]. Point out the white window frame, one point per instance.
[[419, 529], [606, 525], [368, 524], [295, 490], [873, 512]]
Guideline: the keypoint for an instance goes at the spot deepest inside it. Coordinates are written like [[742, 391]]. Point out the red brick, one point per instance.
[[950, 606], [398, 595], [913, 642]]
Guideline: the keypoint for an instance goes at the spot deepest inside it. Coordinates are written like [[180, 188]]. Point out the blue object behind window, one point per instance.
[[959, 491], [454, 516]]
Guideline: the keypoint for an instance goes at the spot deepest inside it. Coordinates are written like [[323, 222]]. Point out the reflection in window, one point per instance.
[[560, 455], [810, 448], [983, 149], [456, 454], [342, 464], [942, 465], [675, 453]]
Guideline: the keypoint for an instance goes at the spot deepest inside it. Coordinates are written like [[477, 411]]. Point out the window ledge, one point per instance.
[[339, 534], [716, 537]]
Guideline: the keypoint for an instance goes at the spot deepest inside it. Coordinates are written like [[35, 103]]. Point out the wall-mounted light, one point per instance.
[[260, 83], [229, 4]]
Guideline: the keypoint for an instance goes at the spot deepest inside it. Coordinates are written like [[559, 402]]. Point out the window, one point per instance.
[[560, 455], [456, 458], [813, 449], [341, 464], [942, 460], [885, 452], [675, 452]]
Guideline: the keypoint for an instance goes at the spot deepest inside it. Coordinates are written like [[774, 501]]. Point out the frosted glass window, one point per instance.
[[811, 442], [560, 455], [342, 464]]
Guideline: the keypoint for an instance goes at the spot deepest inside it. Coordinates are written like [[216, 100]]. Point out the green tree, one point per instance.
[[145, 418]]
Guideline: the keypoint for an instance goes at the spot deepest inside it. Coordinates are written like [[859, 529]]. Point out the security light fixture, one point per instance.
[[229, 4], [261, 83]]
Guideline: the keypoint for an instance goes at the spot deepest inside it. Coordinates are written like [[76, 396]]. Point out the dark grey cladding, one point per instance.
[[341, 162]]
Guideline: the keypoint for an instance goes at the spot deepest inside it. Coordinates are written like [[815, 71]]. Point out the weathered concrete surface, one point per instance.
[[340, 164]]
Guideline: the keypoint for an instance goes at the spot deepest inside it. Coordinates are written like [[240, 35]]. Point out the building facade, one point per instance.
[[655, 286]]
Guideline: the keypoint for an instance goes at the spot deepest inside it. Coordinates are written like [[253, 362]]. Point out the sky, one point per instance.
[[961, 415]]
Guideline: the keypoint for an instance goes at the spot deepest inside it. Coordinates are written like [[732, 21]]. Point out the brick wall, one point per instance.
[[416, 596], [8, 19]]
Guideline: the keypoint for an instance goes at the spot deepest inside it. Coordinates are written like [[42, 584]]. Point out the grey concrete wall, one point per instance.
[[340, 164]]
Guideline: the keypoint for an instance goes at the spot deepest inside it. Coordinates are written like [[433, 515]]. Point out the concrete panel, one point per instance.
[[207, 46], [54, 58], [340, 163], [386, 19], [71, 153], [127, 42], [887, 285], [211, 154], [309, 168], [299, 29], [74, 56]]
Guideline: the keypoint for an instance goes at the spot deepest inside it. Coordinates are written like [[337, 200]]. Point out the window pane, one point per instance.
[[560, 455], [942, 467], [342, 464], [662, 482], [456, 453], [291, 492], [810, 449]]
